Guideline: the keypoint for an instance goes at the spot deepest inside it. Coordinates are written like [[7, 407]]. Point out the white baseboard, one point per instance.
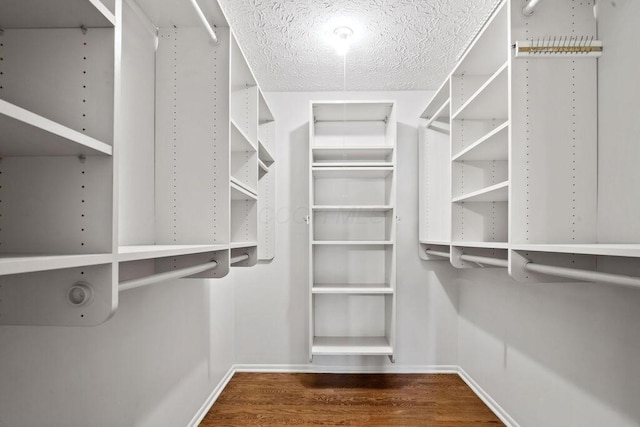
[[487, 399], [206, 406], [323, 369], [316, 369]]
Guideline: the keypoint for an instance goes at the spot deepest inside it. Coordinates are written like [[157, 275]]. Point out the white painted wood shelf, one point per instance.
[[601, 249], [492, 146], [140, 252], [352, 172], [239, 245], [351, 346], [352, 289], [349, 208], [494, 193], [490, 101], [27, 134], [65, 14], [353, 242], [488, 245], [21, 263], [240, 191], [351, 153]]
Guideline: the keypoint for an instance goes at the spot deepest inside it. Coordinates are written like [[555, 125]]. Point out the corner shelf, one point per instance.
[[28, 134]]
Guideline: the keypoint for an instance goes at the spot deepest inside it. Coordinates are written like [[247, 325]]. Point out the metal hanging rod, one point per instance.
[[239, 258], [483, 260], [530, 7], [437, 253], [205, 22], [583, 275], [559, 47], [169, 275]]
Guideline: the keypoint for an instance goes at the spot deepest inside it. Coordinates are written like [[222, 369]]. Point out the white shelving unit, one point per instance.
[[56, 137], [352, 224], [524, 177], [266, 181], [128, 144]]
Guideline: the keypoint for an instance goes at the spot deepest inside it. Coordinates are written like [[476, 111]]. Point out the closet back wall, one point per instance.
[[271, 298]]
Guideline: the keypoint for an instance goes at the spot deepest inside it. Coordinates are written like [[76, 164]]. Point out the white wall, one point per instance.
[[566, 354], [153, 364], [271, 299]]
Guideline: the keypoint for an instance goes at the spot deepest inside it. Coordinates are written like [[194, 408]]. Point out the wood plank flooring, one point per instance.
[[257, 399]]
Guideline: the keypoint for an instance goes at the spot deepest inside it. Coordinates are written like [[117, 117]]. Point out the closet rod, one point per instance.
[[204, 20], [169, 275], [437, 253], [496, 262], [530, 7], [239, 258], [583, 275]]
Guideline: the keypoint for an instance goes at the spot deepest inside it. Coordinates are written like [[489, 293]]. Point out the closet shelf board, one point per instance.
[[603, 249], [492, 146], [238, 245], [240, 141], [347, 208], [489, 245], [352, 288], [494, 193], [139, 252], [25, 263], [373, 346], [27, 134], [489, 101], [240, 191], [58, 14]]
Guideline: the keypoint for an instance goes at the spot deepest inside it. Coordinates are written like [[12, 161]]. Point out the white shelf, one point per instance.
[[351, 153], [239, 140], [264, 154], [346, 208], [238, 245], [351, 111], [435, 104], [603, 249], [488, 245], [351, 172], [353, 242], [494, 193], [442, 117], [490, 101], [351, 289], [27, 134], [263, 168], [58, 14], [25, 263], [241, 191], [492, 146], [372, 346], [139, 252], [351, 164], [435, 242]]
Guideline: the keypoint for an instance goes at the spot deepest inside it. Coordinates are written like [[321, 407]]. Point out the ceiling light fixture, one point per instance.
[[342, 36]]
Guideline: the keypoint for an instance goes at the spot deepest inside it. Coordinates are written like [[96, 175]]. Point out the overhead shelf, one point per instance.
[[264, 154], [436, 103], [494, 193], [492, 146], [54, 14], [356, 111], [352, 288], [238, 245], [435, 242], [352, 164], [363, 346], [27, 134], [26, 263], [140, 252]]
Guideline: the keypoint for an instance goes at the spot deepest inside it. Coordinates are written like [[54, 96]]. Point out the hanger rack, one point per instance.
[[559, 47]]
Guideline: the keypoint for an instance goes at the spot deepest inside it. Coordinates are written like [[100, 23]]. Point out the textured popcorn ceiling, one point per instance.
[[397, 44]]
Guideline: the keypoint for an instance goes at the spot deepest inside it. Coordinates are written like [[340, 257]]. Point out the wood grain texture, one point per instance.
[[267, 399]]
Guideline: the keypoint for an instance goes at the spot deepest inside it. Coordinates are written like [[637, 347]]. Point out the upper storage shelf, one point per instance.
[[54, 14], [351, 112]]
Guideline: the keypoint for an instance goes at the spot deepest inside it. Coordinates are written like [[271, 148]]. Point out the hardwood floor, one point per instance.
[[348, 400]]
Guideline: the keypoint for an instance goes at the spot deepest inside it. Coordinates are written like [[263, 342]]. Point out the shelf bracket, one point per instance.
[[84, 29]]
